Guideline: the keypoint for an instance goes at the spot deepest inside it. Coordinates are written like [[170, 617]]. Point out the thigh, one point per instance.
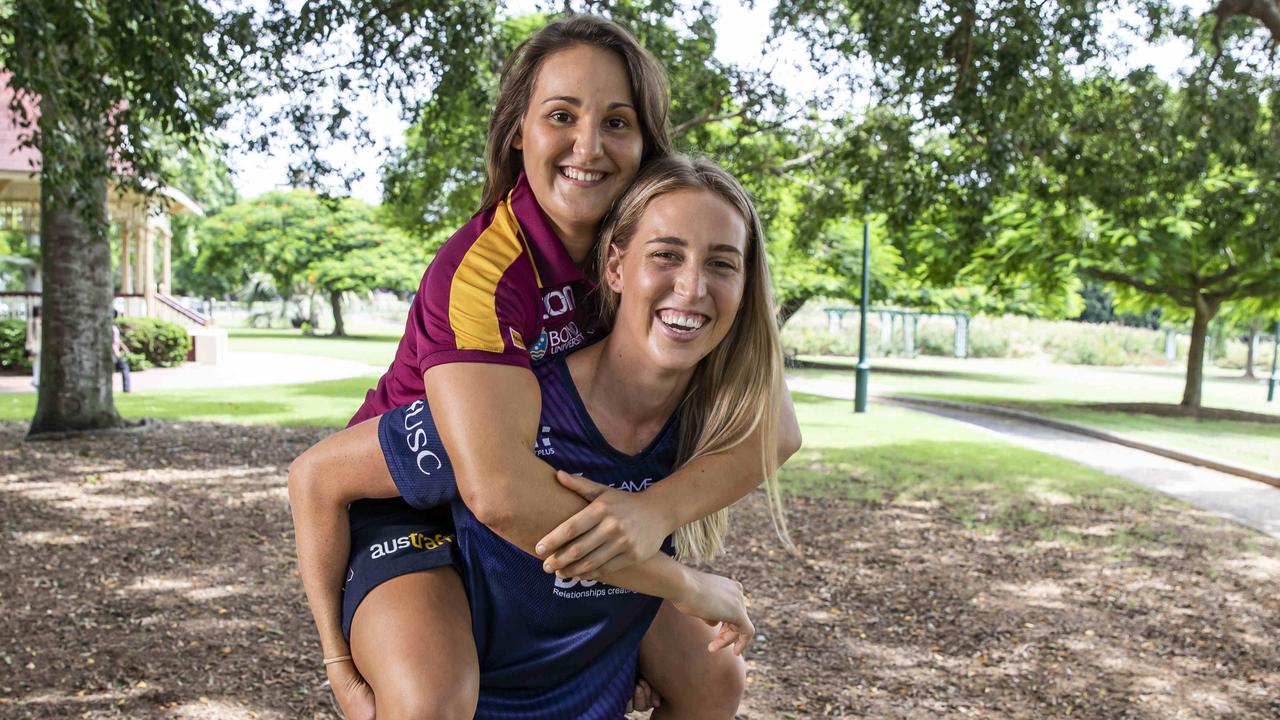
[[690, 681], [411, 640]]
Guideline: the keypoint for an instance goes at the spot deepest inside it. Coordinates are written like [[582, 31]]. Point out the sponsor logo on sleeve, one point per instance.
[[417, 437]]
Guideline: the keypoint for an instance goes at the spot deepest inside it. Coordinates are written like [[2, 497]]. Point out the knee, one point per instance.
[[728, 685], [717, 690], [435, 702], [304, 478]]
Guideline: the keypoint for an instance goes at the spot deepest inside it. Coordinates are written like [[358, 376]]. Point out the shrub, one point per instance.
[[13, 346], [153, 342]]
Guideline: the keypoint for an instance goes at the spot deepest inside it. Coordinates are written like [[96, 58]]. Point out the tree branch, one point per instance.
[[1266, 12], [1214, 279], [704, 119], [1171, 291], [786, 166], [1256, 288]]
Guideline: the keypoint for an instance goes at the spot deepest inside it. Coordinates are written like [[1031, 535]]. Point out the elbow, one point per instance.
[[789, 442], [488, 501]]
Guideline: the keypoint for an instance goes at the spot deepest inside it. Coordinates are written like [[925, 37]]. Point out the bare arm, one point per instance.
[[618, 529], [487, 417]]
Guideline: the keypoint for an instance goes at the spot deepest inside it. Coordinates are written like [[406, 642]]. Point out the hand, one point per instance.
[[719, 601], [354, 696], [645, 698], [617, 530]]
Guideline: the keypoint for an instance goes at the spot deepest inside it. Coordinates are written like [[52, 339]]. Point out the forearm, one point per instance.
[[708, 484], [523, 503], [717, 481]]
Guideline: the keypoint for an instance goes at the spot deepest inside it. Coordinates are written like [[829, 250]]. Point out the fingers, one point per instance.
[[586, 553], [644, 698], [585, 487], [552, 543]]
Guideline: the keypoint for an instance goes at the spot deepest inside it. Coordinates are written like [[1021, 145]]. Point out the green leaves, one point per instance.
[[308, 242]]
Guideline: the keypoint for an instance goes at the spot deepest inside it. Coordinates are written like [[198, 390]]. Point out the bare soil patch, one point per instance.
[[151, 575]]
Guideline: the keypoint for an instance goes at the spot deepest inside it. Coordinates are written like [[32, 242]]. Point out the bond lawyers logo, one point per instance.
[[539, 348]]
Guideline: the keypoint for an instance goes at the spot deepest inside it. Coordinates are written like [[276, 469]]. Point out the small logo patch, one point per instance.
[[539, 348]]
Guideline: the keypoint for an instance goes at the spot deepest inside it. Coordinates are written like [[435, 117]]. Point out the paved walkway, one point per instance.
[[1248, 502], [239, 369]]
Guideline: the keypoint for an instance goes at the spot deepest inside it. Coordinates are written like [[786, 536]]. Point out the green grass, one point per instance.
[[1250, 443], [325, 404], [370, 349], [897, 455], [1035, 381], [1059, 390]]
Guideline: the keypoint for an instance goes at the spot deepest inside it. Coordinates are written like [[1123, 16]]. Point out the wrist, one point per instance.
[[686, 584], [666, 509]]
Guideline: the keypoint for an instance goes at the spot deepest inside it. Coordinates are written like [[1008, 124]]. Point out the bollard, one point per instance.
[[1275, 354]]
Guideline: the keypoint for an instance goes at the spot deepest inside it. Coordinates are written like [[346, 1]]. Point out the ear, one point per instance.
[[613, 269], [517, 142]]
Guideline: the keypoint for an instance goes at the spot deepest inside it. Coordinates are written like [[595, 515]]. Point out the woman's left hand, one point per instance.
[[616, 530]]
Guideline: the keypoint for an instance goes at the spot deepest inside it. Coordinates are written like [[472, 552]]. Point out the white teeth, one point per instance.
[[682, 321], [581, 175]]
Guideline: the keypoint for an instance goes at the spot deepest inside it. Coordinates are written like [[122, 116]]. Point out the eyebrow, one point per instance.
[[577, 102], [680, 242]]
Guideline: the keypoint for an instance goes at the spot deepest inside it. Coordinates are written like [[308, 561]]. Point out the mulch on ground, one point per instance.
[[151, 575]]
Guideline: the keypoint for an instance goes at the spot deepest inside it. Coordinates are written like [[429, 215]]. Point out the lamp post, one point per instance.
[[1275, 354], [864, 368]]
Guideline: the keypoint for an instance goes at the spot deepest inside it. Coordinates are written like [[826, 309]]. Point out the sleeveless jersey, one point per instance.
[[548, 648]]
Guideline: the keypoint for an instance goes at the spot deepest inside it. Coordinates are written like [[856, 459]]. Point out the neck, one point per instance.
[[578, 241], [628, 401]]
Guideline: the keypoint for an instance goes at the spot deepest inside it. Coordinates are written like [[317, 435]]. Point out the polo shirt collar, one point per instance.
[[555, 266]]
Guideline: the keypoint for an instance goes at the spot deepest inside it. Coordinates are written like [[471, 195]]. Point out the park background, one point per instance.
[[1088, 189]]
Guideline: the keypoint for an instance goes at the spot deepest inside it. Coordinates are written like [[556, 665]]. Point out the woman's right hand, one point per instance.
[[354, 696], [719, 600]]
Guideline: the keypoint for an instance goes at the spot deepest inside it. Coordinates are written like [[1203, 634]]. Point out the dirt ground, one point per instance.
[[151, 575]]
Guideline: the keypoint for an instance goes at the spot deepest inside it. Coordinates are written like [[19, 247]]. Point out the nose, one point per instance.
[[691, 282], [588, 143]]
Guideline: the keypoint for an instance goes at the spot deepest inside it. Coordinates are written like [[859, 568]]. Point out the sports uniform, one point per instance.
[[548, 648], [502, 289]]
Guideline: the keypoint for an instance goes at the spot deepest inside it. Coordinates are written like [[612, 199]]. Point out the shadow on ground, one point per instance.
[[151, 575]]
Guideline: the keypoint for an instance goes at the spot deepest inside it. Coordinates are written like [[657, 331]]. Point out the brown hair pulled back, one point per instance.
[[503, 163]]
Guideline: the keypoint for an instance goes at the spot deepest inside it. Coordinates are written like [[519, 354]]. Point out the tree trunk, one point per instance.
[[335, 302], [1204, 312], [1254, 326], [790, 307], [75, 357]]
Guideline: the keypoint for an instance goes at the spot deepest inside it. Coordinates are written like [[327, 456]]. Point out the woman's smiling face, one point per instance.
[[580, 139], [680, 279]]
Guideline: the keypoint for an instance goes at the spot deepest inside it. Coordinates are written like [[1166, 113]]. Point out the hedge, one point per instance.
[[153, 343], [13, 346]]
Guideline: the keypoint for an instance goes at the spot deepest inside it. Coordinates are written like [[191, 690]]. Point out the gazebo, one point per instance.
[[141, 222]]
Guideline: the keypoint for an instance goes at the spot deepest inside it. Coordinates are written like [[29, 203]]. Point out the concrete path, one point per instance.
[[239, 369], [1251, 503]]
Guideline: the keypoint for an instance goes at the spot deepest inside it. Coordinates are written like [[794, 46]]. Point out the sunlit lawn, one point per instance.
[[896, 454], [1034, 381], [370, 349], [1058, 390]]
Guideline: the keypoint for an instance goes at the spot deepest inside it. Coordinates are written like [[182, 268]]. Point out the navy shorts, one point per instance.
[[413, 532], [390, 539]]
